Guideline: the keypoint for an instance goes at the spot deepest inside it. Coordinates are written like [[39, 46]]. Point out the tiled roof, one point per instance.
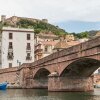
[[71, 43], [61, 44], [53, 43], [64, 44], [98, 34]]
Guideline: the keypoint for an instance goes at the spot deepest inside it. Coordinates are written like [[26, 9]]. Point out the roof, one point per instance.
[[47, 34], [98, 34], [53, 43], [17, 29], [47, 43], [61, 44], [71, 43], [64, 44]]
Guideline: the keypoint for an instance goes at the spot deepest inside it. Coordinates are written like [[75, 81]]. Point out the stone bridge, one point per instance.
[[68, 70]]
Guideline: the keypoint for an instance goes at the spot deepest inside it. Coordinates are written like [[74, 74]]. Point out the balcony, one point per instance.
[[28, 58], [10, 56], [28, 49], [10, 49]]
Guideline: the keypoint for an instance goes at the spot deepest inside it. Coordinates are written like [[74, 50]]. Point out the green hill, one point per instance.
[[41, 26], [38, 26]]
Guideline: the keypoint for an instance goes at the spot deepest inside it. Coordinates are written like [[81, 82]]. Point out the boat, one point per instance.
[[3, 86]]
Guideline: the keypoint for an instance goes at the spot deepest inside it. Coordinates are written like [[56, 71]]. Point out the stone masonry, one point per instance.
[[67, 70]]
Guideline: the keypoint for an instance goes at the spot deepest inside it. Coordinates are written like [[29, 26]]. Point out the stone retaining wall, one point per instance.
[[9, 75]]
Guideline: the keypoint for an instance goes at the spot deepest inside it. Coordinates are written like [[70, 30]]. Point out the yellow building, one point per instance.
[[70, 37]]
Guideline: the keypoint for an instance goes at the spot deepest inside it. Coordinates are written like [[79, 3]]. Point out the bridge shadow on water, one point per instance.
[[95, 95], [43, 94]]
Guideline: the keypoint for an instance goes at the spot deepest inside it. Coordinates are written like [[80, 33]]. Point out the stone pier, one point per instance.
[[56, 83]]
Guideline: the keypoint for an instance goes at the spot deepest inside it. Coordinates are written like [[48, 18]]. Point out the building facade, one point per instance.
[[44, 44], [17, 46]]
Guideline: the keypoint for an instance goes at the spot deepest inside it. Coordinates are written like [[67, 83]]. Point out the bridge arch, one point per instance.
[[83, 67], [41, 73], [41, 78]]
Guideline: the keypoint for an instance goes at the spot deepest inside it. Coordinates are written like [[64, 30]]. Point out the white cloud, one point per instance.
[[53, 10]]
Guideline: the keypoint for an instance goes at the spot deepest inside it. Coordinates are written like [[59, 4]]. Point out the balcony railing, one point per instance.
[[10, 57], [10, 49], [28, 49]]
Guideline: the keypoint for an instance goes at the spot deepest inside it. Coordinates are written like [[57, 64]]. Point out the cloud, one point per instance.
[[53, 10]]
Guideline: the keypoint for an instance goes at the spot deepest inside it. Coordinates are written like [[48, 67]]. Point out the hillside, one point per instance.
[[40, 27], [86, 34], [37, 25]]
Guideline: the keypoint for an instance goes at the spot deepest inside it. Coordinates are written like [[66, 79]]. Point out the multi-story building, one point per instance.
[[44, 44], [17, 46], [70, 37]]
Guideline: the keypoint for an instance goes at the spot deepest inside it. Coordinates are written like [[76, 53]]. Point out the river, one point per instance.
[[39, 94]]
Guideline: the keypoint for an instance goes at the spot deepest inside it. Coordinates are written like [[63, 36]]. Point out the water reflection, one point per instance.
[[39, 94]]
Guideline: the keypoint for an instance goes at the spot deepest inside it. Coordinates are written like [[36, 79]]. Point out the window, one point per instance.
[[46, 48], [10, 45], [28, 46], [28, 37], [10, 36], [28, 57], [10, 56], [10, 65], [28, 54]]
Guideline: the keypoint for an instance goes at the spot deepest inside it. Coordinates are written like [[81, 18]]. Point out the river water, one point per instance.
[[39, 94]]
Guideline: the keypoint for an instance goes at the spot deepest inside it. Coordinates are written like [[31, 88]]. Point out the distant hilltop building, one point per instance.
[[16, 46], [12, 21]]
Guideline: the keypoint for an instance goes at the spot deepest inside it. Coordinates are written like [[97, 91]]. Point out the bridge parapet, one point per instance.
[[91, 43], [79, 60], [78, 49], [8, 70]]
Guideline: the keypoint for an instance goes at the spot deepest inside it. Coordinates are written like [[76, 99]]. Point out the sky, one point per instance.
[[66, 13]]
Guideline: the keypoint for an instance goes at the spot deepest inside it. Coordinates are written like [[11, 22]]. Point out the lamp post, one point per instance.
[[18, 63]]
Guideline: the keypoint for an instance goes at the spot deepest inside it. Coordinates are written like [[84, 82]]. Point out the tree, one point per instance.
[[84, 34], [40, 26]]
